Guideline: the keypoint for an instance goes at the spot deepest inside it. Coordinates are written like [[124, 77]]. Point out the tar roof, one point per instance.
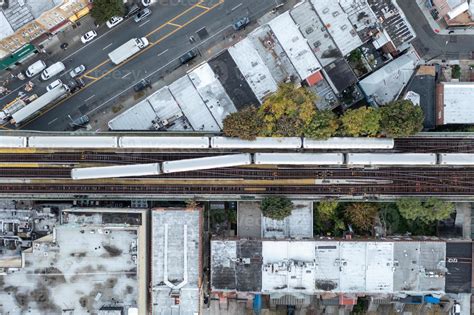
[[253, 68], [425, 86], [459, 264], [295, 45], [338, 25], [175, 260], [341, 74]]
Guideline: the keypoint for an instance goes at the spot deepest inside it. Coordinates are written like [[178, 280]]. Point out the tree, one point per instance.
[[323, 125], [363, 121], [429, 211], [361, 215], [276, 208], [327, 209], [243, 124], [103, 10], [401, 118], [287, 112]]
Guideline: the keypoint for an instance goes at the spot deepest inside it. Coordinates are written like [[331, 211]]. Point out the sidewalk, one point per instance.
[[439, 29]]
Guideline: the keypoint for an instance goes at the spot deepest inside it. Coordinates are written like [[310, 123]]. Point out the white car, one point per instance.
[[114, 21], [77, 71], [54, 84], [87, 37]]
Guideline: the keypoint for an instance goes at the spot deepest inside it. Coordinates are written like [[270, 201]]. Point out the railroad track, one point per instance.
[[435, 145]]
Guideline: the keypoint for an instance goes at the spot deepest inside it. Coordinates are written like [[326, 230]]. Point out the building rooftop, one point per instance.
[[212, 92], [393, 22], [295, 45], [315, 33], [338, 24], [298, 225], [341, 74], [249, 219], [425, 87], [386, 84], [175, 261], [459, 264], [455, 102], [361, 17], [253, 68], [192, 105], [272, 54]]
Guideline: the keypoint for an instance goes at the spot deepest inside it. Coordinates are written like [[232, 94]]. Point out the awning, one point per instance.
[[314, 78], [79, 14], [21, 54]]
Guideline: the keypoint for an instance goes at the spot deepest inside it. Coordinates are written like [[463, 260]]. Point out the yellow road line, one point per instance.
[[133, 57], [174, 24], [19, 165], [17, 150], [202, 6], [89, 77], [253, 183], [96, 67]]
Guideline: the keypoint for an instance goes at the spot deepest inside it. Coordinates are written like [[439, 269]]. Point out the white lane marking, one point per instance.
[[52, 121], [144, 23], [236, 7], [89, 98], [126, 75], [163, 52], [107, 46]]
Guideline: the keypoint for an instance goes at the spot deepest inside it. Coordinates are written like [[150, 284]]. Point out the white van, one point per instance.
[[52, 70], [35, 68]]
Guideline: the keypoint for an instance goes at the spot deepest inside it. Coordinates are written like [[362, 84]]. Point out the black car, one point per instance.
[[143, 84], [75, 84], [131, 10], [187, 57], [79, 122]]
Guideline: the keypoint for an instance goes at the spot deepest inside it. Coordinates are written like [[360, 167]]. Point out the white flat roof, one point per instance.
[[72, 142], [206, 163], [457, 158], [5, 27], [259, 143], [349, 143], [134, 170], [164, 142], [379, 274], [299, 158], [458, 106], [391, 159], [338, 24], [12, 142], [295, 45], [212, 92], [138, 117], [352, 262], [253, 68], [192, 105], [385, 84]]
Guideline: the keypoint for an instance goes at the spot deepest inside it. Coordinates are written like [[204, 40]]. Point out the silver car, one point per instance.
[[142, 15], [77, 71]]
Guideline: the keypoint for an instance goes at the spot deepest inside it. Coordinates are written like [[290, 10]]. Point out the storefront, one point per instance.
[[18, 56]]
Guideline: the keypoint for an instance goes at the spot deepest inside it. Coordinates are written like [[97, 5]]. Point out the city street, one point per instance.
[[172, 30]]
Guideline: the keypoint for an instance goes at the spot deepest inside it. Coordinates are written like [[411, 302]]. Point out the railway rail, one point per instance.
[[434, 145]]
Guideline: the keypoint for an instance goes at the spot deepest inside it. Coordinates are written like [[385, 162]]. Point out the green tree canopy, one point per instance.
[[428, 211], [327, 209], [363, 121], [103, 10], [361, 215], [401, 118], [276, 208], [243, 124], [323, 125], [287, 112]]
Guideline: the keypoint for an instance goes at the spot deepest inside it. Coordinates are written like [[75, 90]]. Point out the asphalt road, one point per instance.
[[168, 29], [432, 45]]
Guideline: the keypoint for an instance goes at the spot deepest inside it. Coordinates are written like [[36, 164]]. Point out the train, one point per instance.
[[280, 159], [193, 142]]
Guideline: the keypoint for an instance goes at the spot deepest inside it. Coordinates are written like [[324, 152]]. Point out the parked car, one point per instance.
[[87, 37], [187, 57], [35, 68], [143, 84], [142, 15], [241, 23], [54, 84], [131, 10], [79, 122], [51, 71], [77, 71], [115, 20], [75, 84]]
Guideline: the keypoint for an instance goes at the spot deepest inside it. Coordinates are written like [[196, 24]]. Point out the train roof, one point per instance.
[[206, 163], [457, 159], [72, 142], [391, 159], [300, 158], [12, 142], [165, 142], [116, 171], [349, 143], [259, 143]]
